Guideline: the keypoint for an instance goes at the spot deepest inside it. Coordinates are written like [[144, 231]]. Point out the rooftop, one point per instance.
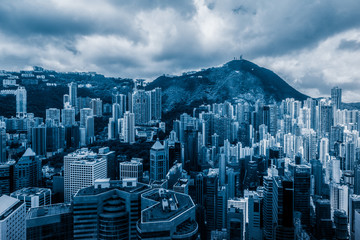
[[29, 153], [82, 153], [115, 184], [49, 210], [157, 145], [8, 205], [132, 163], [88, 161], [30, 191], [167, 205]]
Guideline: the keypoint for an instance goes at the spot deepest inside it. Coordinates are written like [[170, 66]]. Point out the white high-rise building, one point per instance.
[[81, 169], [12, 218], [68, 116], [128, 131], [339, 197], [324, 150], [21, 102], [111, 129]]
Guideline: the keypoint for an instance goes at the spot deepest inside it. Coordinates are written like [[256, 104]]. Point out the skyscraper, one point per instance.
[[2, 145], [158, 162], [84, 113], [254, 229], [141, 107], [68, 116], [323, 219], [108, 209], [336, 97], [50, 222], [341, 224], [301, 174], [191, 149], [12, 218], [121, 100], [132, 169], [73, 95], [326, 119], [96, 106], [211, 190], [324, 150], [354, 203], [21, 102], [90, 129], [268, 207], [7, 178], [129, 127], [81, 169], [155, 99], [27, 171], [38, 139], [357, 179]]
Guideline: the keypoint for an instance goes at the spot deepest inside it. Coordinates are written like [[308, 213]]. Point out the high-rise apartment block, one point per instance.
[[21, 102]]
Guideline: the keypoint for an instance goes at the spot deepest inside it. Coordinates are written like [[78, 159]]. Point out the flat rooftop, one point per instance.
[[90, 191], [82, 153], [131, 163], [30, 191], [167, 205], [48, 210], [8, 205], [88, 161]]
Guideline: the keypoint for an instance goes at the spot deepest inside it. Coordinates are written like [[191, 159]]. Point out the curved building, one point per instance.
[[113, 222]]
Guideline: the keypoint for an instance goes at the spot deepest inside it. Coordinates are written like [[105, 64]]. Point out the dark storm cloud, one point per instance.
[[294, 25], [148, 38], [34, 18]]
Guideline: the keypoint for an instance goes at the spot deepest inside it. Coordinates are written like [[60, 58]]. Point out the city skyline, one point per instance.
[[191, 120]]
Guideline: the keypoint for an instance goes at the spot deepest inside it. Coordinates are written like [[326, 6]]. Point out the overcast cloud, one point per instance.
[[313, 44]]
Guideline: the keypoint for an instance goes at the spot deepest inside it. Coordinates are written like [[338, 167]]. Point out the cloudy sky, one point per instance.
[[312, 44]]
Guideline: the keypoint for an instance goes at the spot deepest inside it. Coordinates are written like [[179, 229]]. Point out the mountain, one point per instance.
[[237, 79]]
